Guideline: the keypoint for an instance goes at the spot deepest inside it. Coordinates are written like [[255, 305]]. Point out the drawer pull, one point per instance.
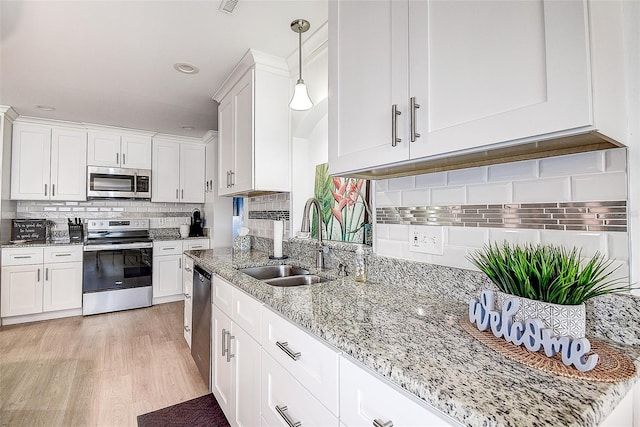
[[229, 338], [168, 249], [187, 269], [186, 328], [68, 254], [187, 296], [284, 346], [282, 410], [22, 257], [380, 423], [224, 341]]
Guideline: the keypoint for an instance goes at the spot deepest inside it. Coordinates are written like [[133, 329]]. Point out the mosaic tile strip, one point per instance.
[[270, 215], [578, 216]]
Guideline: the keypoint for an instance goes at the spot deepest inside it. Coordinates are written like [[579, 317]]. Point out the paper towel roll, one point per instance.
[[278, 229]]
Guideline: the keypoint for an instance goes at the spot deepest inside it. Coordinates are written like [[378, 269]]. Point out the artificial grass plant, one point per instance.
[[547, 273]]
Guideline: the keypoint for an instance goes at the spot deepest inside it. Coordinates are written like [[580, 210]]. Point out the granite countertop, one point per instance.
[[173, 237], [414, 339], [32, 244]]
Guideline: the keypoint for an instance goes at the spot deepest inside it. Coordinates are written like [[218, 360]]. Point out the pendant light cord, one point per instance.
[[300, 50]]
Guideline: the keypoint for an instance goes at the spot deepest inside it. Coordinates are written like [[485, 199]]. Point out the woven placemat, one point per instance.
[[612, 365]]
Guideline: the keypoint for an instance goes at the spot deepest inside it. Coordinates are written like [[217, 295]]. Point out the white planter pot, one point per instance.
[[564, 320]]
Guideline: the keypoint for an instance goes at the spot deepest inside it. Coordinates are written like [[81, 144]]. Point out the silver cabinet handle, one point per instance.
[[228, 179], [379, 423], [282, 410], [211, 184], [22, 257], [187, 296], [179, 262], [284, 346], [182, 197], [46, 274], [187, 328], [58, 255], [168, 248], [229, 338], [414, 106], [118, 158], [224, 341], [38, 275], [53, 189], [45, 189], [394, 125], [135, 181], [233, 178], [206, 186], [177, 194], [187, 269], [123, 159]]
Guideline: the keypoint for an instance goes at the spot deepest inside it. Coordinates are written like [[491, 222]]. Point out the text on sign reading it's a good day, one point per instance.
[[531, 333]]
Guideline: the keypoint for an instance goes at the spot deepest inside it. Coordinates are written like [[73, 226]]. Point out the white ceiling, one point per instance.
[[111, 62]]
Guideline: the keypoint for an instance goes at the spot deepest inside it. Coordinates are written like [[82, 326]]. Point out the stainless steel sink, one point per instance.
[[305, 279], [274, 271]]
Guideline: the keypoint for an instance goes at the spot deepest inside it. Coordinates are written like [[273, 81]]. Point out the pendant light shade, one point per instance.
[[300, 100]]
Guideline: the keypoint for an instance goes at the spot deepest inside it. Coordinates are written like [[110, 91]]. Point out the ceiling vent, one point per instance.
[[227, 6]]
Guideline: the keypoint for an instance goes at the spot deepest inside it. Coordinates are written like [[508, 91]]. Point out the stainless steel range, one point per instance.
[[118, 256]]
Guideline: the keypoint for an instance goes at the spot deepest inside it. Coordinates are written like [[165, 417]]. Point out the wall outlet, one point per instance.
[[427, 239]]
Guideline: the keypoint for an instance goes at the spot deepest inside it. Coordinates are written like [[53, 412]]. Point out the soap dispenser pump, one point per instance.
[[361, 267]]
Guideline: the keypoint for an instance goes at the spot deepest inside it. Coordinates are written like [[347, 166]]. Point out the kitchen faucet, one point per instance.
[[306, 228]]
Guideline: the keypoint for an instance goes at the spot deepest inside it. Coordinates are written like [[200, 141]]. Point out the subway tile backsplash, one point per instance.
[[263, 210], [576, 200]]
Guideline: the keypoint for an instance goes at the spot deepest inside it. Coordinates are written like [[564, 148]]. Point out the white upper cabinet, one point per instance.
[[464, 76], [178, 171], [113, 149], [48, 163], [253, 122]]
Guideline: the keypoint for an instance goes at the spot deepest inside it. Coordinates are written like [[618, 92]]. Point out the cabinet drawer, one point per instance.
[[188, 267], [22, 256], [222, 295], [365, 398], [53, 254], [169, 247], [310, 361], [281, 389], [198, 244], [188, 313], [246, 313]]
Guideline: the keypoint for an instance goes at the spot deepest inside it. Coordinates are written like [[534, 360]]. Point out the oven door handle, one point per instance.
[[107, 247]]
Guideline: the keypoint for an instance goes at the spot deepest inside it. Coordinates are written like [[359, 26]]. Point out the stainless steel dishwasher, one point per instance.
[[201, 326]]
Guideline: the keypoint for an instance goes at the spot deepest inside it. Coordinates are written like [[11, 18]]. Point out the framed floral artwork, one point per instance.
[[345, 207]]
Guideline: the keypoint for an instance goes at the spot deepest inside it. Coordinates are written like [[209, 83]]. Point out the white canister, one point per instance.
[[184, 231]]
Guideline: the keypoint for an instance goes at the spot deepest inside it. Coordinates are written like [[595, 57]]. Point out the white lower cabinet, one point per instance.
[[40, 280], [310, 361], [167, 268], [366, 400], [285, 402], [236, 356]]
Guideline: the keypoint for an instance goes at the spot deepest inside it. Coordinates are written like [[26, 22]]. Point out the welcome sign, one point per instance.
[[531, 333]]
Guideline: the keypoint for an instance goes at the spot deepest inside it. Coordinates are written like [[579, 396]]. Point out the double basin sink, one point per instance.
[[283, 275]]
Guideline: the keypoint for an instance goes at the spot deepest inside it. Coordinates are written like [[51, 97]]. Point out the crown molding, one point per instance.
[[176, 138], [8, 112], [210, 136]]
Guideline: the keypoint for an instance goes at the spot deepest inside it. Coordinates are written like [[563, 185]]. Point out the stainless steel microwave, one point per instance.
[[118, 183]]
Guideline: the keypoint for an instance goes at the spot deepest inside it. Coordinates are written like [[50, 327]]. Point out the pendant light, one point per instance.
[[300, 100]]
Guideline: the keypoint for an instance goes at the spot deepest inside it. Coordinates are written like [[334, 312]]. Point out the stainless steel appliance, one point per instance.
[[118, 183], [201, 326], [118, 258]]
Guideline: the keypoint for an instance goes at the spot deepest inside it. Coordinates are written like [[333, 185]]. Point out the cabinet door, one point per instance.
[[167, 276], [21, 290], [246, 369], [68, 164], [367, 74], [103, 149], [488, 71], [30, 162], [165, 180], [192, 173], [62, 286], [222, 375], [226, 134], [242, 172], [136, 152]]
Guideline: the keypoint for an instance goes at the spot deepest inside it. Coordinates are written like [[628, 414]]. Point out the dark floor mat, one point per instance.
[[201, 411]]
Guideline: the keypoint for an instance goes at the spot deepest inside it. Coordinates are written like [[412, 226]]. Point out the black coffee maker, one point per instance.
[[196, 225]]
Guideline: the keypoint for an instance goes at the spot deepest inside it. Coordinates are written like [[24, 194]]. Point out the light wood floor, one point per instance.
[[100, 370]]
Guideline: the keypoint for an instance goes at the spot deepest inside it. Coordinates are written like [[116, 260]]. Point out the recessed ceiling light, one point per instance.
[[187, 127], [186, 68], [227, 6], [45, 107]]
